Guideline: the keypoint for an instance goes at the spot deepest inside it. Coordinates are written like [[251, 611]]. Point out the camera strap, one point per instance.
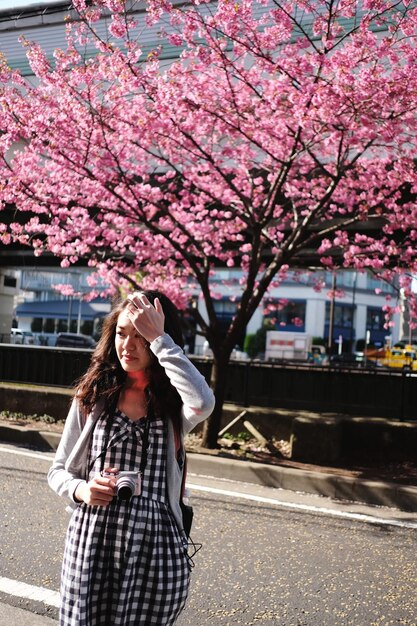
[[145, 440], [107, 444]]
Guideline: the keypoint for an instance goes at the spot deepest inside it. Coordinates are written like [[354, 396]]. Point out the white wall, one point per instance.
[[7, 295], [315, 317]]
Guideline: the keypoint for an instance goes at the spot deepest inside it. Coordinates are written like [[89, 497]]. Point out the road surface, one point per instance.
[[269, 557]]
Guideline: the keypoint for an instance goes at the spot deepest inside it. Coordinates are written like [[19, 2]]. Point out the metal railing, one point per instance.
[[42, 365], [354, 391]]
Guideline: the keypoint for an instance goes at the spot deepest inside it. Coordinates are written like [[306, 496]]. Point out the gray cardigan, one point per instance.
[[70, 463]]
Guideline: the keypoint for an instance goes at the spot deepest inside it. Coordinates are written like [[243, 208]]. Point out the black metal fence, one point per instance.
[[42, 365], [371, 393]]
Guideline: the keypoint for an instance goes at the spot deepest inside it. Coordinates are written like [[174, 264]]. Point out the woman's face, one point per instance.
[[132, 349]]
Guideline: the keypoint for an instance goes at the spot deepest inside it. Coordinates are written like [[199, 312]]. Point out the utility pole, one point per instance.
[[352, 327], [331, 321]]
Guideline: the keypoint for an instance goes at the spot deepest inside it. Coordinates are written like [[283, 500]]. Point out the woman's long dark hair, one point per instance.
[[105, 376]]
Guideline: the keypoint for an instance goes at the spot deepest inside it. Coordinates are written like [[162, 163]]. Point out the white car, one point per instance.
[[239, 355], [19, 336]]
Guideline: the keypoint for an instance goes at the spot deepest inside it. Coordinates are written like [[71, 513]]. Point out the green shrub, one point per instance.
[[255, 343]]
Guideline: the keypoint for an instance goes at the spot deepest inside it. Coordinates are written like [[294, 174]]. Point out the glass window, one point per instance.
[[373, 282], [10, 281], [288, 316], [225, 308], [343, 315], [374, 319], [225, 311]]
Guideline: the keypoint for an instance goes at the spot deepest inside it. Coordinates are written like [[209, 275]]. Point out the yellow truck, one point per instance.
[[400, 357]]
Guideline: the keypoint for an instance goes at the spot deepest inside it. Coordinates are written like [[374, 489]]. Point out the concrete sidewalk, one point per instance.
[[13, 616], [325, 483]]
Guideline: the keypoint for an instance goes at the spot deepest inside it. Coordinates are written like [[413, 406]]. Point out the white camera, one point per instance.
[[128, 484]]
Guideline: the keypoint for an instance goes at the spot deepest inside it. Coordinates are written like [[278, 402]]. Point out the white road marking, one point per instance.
[[361, 517], [33, 455], [30, 592]]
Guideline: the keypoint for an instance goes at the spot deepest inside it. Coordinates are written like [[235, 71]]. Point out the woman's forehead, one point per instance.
[[123, 320]]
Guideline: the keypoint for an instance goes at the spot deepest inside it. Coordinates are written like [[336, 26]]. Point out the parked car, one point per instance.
[[74, 340], [346, 359], [19, 336], [239, 355], [207, 351]]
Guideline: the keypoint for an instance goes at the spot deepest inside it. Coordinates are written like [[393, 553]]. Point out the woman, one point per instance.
[[125, 560]]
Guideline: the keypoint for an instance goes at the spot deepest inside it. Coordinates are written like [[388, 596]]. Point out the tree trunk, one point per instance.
[[218, 385]]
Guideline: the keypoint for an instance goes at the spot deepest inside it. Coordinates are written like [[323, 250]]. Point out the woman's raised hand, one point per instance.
[[147, 318]]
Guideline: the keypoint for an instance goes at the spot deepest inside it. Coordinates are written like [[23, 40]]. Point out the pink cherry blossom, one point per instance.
[[263, 143]]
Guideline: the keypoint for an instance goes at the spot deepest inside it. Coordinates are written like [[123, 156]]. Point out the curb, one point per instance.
[[402, 497]]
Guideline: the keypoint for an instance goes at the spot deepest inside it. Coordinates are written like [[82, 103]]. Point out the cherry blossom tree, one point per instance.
[[281, 130]]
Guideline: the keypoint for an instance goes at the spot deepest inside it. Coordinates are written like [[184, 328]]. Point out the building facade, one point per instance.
[[298, 306], [9, 288], [42, 309]]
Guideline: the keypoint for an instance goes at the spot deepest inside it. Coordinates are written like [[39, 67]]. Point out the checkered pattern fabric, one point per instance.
[[125, 564]]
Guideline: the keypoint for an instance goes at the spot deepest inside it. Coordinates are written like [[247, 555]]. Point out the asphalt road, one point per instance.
[[261, 562]]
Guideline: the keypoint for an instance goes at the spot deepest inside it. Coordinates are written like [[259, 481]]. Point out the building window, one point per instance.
[[10, 281], [373, 282], [343, 325], [375, 319], [286, 315], [225, 312], [343, 315]]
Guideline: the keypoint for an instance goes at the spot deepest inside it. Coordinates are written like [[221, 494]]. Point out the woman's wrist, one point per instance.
[[79, 491], [157, 336]]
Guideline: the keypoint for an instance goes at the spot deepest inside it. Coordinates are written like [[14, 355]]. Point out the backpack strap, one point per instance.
[[177, 438], [177, 441]]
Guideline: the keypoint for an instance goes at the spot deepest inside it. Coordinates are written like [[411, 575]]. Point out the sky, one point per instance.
[[18, 4]]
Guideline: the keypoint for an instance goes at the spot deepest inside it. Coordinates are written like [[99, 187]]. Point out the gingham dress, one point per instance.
[[125, 564]]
